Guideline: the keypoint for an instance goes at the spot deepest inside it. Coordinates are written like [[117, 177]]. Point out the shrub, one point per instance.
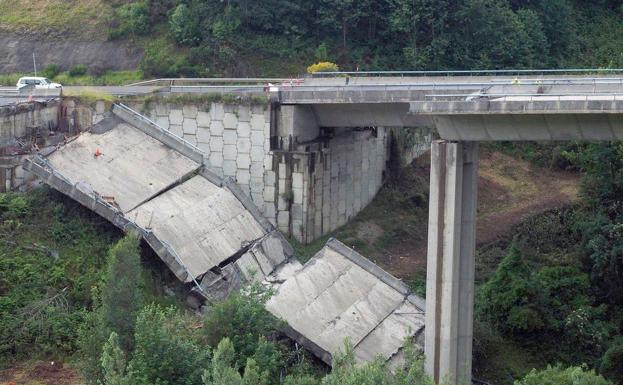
[[78, 70], [612, 362], [51, 71], [556, 375], [53, 252], [121, 296], [113, 361], [243, 319], [184, 26], [167, 349], [160, 59], [323, 67], [510, 300]]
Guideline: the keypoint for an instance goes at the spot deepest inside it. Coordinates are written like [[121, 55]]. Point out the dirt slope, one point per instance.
[[393, 232], [40, 373]]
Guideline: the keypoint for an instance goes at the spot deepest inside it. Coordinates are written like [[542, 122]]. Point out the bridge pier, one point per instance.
[[451, 257]]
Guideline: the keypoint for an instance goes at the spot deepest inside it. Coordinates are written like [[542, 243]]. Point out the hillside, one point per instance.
[[392, 230], [282, 37], [61, 18], [63, 33]]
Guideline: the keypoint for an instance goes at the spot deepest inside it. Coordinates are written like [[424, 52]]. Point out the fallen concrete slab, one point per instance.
[[204, 223], [142, 179], [340, 295], [122, 164]]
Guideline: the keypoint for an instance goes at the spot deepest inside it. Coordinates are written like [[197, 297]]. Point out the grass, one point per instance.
[[9, 80], [202, 99], [89, 95], [109, 78], [87, 17]]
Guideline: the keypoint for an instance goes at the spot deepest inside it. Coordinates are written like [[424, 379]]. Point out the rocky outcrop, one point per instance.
[[16, 53]]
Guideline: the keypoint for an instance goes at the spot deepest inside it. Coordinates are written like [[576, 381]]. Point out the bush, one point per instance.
[[78, 70], [612, 362], [167, 349], [323, 67], [121, 296], [243, 319], [161, 60], [51, 71], [53, 251], [556, 375], [510, 300], [184, 26]]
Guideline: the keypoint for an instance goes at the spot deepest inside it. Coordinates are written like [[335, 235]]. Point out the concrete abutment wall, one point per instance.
[[307, 180]]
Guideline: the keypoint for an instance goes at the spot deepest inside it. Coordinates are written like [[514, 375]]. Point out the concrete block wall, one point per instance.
[[343, 178], [234, 138], [332, 184], [308, 186]]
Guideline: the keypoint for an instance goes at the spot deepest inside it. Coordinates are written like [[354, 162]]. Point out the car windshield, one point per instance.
[[46, 81]]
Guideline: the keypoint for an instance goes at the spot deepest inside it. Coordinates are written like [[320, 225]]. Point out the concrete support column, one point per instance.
[[451, 255]]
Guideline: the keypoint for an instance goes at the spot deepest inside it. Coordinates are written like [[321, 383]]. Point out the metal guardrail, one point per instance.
[[556, 82], [469, 72], [241, 81], [532, 96], [142, 117]]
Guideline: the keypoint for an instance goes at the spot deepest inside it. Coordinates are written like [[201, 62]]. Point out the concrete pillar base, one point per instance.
[[451, 257]]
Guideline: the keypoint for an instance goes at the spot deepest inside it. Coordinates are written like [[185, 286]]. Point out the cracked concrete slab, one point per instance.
[[340, 295], [205, 224], [132, 167]]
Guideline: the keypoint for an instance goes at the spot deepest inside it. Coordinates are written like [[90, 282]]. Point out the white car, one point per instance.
[[37, 83]]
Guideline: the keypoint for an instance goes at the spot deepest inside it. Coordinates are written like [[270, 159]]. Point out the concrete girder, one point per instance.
[[539, 127], [451, 258], [368, 115]]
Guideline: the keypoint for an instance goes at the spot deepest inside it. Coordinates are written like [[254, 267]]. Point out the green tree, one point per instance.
[[121, 295], [612, 362], [222, 370], [243, 319], [511, 300], [184, 26], [113, 362], [167, 349], [560, 26], [601, 190], [498, 38], [557, 375]]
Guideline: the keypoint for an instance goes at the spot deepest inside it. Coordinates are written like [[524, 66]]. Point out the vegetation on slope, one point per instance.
[[282, 37], [51, 256], [71, 17], [243, 38]]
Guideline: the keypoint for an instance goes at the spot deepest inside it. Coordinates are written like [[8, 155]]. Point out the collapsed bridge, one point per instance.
[[211, 235], [144, 179]]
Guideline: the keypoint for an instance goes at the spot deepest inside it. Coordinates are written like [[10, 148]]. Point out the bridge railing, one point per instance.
[[215, 81], [485, 72], [575, 96]]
